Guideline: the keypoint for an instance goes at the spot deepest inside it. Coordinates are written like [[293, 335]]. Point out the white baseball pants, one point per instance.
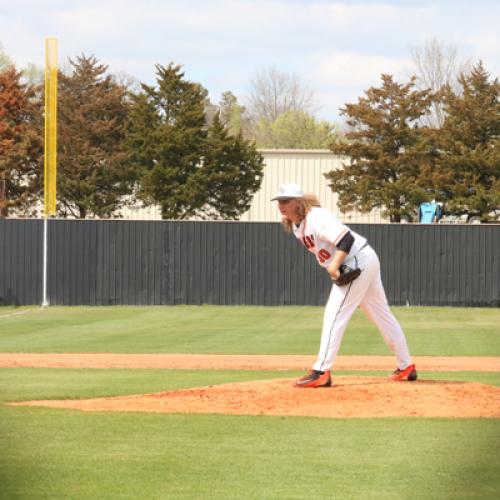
[[367, 292]]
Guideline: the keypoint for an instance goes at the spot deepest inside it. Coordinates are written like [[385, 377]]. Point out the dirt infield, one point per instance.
[[350, 397], [238, 362]]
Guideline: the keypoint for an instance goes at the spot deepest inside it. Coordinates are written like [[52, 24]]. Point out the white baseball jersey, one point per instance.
[[321, 231]]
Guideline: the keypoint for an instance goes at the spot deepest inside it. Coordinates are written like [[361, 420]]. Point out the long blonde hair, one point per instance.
[[306, 203]]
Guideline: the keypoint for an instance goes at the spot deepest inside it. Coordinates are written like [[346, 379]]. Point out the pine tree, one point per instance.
[[232, 171], [179, 161], [468, 175], [21, 144], [92, 113], [385, 151]]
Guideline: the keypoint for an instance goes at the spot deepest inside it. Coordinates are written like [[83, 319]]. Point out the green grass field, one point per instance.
[[239, 330], [56, 454]]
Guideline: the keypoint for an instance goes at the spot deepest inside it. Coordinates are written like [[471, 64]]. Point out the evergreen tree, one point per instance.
[[467, 177], [386, 151], [232, 168], [21, 143], [92, 115], [180, 162]]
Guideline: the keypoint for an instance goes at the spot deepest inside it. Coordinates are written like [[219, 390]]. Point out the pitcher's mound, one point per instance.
[[350, 397]]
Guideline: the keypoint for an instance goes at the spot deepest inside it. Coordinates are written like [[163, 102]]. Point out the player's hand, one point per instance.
[[334, 273]]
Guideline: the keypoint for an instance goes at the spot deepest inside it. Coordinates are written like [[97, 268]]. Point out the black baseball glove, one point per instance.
[[347, 274]]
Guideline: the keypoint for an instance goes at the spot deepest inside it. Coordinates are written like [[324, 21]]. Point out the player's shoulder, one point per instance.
[[321, 214]]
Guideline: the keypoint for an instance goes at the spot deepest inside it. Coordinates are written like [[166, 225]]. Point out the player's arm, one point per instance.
[[342, 251]]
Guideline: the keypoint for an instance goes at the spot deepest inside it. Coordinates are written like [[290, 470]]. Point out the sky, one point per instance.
[[338, 49]]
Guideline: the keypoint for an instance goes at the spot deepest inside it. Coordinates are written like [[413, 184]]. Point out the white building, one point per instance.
[[304, 167], [307, 168]]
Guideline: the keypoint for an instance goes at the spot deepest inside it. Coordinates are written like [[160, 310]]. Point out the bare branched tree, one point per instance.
[[437, 65], [273, 93], [127, 81]]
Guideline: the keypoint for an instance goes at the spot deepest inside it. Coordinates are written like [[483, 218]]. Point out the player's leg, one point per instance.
[[341, 305], [339, 309], [376, 308]]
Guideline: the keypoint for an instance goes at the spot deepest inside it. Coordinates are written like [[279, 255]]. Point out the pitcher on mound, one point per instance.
[[355, 270]]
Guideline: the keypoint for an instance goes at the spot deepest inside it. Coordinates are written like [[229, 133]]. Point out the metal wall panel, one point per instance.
[[172, 262], [20, 261], [438, 264]]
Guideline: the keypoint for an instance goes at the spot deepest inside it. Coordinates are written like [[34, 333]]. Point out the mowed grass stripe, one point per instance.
[[56, 454], [242, 330], [67, 454], [25, 384]]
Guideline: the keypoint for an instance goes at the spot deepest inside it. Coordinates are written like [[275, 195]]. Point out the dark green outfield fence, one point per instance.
[[166, 262]]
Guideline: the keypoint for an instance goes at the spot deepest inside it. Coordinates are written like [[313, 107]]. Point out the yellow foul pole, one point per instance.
[[50, 159]]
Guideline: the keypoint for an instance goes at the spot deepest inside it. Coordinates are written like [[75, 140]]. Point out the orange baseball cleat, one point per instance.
[[408, 374], [315, 378]]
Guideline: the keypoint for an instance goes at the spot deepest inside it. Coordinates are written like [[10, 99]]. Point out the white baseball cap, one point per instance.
[[289, 191]]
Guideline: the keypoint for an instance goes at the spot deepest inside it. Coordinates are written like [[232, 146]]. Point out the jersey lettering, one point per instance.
[[324, 255], [308, 241]]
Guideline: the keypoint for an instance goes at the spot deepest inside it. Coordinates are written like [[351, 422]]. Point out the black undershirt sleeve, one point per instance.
[[346, 242]]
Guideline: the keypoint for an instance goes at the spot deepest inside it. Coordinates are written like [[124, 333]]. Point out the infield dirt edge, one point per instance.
[[350, 397], [238, 362]]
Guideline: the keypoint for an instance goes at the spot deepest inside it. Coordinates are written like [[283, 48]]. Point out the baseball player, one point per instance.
[[355, 270]]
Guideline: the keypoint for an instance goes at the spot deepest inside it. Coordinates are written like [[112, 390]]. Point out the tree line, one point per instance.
[[397, 160], [166, 144], [116, 147]]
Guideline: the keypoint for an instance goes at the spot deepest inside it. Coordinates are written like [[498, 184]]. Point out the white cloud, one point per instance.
[[351, 69], [372, 23], [22, 44], [91, 22], [343, 77], [347, 16], [339, 48], [486, 46]]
